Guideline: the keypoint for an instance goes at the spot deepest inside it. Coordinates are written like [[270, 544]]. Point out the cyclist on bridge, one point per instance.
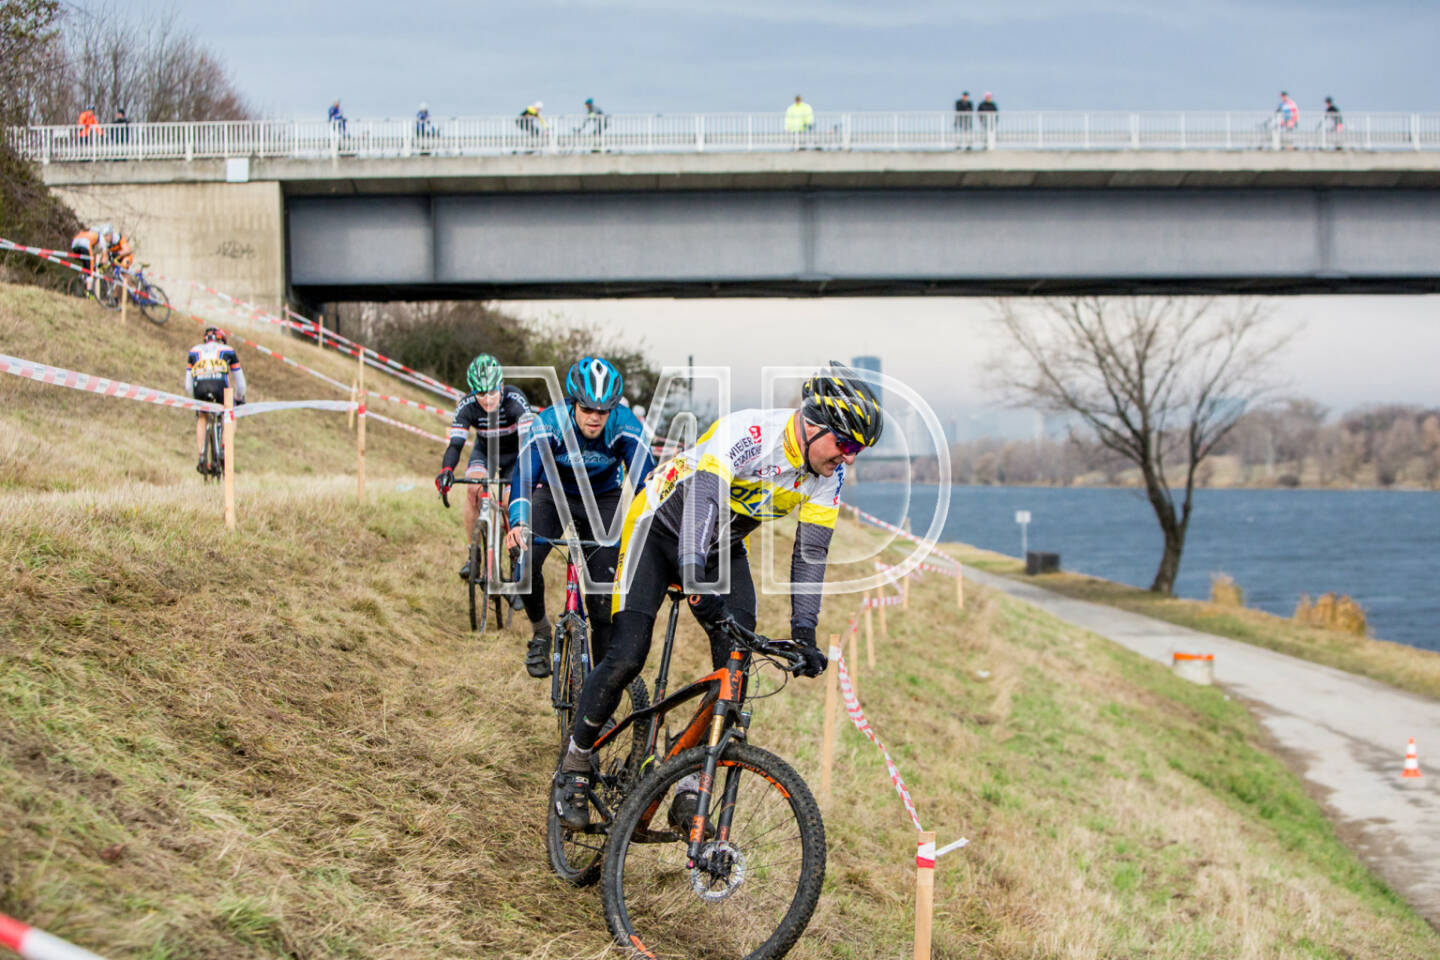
[[610, 448], [211, 366], [500, 415], [762, 464]]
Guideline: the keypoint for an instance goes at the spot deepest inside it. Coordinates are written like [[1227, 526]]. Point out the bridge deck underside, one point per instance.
[[863, 243]]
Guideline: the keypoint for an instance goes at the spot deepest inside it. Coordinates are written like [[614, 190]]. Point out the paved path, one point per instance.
[[1347, 733]]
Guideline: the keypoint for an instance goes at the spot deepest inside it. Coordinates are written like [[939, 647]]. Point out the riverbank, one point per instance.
[[1400, 666]]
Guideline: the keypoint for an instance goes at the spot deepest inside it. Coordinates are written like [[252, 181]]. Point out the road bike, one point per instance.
[[575, 856], [486, 572], [212, 462], [742, 875], [153, 302]]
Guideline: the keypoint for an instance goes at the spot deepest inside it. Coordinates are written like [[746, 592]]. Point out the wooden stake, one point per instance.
[[884, 630], [227, 440], [924, 893], [905, 593], [320, 331], [360, 433], [959, 586], [124, 299], [869, 629], [853, 662], [350, 420], [832, 697]]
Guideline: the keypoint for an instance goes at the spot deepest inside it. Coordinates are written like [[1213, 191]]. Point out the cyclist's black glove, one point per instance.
[[815, 661], [445, 481]]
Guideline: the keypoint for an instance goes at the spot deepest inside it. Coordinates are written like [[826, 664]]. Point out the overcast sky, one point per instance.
[[644, 56]]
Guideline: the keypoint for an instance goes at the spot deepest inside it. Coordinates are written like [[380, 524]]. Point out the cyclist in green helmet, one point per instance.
[[500, 416]]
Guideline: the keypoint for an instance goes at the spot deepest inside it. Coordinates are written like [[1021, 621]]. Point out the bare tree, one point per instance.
[[1160, 381], [28, 38]]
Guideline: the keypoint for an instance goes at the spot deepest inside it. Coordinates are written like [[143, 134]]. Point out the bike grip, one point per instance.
[[445, 499]]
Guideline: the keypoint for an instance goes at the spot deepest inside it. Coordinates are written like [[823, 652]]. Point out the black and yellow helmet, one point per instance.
[[837, 399]]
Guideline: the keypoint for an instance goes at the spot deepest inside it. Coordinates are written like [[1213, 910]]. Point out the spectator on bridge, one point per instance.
[[1334, 121], [88, 123], [799, 120], [1287, 118], [121, 124], [530, 119], [336, 118], [594, 124], [423, 126], [964, 108], [990, 108]]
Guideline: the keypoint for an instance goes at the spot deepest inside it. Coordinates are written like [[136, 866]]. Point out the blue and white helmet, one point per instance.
[[595, 383]]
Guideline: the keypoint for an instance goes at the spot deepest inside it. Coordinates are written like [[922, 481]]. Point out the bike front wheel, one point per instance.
[[154, 304], [760, 881], [479, 607]]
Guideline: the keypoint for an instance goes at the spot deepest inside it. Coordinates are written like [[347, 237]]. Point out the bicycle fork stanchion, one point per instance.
[[228, 456]]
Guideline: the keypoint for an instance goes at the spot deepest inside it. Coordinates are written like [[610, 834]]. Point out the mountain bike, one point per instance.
[[742, 877], [486, 575], [575, 855]]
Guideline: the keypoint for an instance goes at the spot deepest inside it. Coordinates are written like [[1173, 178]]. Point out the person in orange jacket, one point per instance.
[[89, 123]]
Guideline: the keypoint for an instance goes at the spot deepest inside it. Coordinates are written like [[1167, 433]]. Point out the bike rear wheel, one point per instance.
[[107, 291], [577, 856], [759, 897], [153, 303], [212, 452]]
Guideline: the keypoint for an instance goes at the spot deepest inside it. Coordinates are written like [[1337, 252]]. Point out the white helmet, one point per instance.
[[107, 232]]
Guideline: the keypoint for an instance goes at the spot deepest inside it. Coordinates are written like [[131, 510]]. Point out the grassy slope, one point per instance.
[[280, 743], [53, 438], [1398, 665]]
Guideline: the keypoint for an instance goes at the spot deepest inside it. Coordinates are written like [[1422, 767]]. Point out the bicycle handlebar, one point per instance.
[[474, 481], [786, 651]]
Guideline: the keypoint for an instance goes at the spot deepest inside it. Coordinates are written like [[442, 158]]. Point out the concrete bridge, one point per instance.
[[778, 223]]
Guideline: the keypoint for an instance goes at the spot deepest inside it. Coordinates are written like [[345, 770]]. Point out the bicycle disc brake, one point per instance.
[[718, 873]]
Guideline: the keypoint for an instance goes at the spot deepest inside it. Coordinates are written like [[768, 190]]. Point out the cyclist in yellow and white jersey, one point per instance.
[[759, 465], [210, 367]]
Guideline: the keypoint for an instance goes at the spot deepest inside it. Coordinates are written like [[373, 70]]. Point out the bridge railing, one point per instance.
[[727, 133]]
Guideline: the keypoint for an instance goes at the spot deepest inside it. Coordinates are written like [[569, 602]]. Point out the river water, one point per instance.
[[1378, 546]]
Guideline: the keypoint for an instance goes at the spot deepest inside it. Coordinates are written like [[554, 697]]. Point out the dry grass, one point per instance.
[[281, 743], [1405, 667], [1225, 592], [57, 439], [1332, 613]]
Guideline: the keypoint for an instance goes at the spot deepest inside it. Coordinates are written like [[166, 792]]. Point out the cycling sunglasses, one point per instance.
[[846, 445]]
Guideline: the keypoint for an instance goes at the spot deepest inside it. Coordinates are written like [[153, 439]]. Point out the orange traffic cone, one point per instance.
[[1412, 761]]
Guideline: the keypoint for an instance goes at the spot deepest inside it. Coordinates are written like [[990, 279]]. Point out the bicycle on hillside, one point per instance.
[[95, 285], [153, 302], [486, 574], [743, 875], [212, 465]]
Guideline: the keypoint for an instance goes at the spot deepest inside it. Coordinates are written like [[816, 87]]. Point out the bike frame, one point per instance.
[[719, 718], [491, 516]]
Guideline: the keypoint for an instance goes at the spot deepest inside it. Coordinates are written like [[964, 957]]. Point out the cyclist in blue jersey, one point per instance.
[[610, 447]]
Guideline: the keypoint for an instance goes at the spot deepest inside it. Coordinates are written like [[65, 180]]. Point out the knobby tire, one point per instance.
[[154, 304], [650, 903]]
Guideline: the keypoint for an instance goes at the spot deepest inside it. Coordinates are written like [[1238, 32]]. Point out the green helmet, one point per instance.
[[484, 374]]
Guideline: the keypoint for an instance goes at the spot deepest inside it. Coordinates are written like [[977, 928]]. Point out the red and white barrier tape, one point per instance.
[[872, 602], [886, 525], [919, 570], [33, 944], [857, 717], [37, 251], [312, 329], [61, 377], [405, 426]]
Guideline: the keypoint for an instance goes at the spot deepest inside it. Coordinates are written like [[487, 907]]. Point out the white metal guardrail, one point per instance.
[[727, 133]]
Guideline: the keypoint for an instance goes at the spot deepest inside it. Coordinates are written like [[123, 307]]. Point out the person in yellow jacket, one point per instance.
[[799, 119]]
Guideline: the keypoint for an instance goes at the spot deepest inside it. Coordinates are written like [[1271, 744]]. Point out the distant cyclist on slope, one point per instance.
[[610, 449], [500, 414], [759, 465], [211, 366]]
